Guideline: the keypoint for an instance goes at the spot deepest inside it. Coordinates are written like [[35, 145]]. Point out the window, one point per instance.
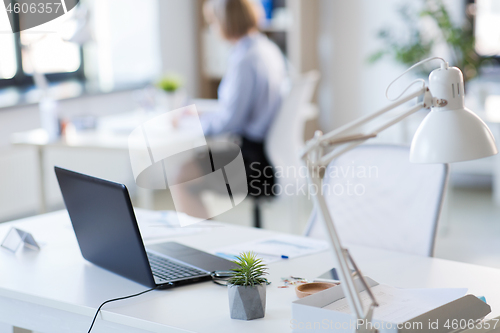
[[120, 54], [40, 48], [487, 29]]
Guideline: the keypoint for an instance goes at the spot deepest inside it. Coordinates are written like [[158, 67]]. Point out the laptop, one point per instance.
[[106, 229]]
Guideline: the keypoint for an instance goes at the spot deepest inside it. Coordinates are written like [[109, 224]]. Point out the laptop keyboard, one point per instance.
[[170, 270]]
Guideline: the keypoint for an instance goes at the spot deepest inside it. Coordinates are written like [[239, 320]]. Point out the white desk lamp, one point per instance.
[[449, 133]]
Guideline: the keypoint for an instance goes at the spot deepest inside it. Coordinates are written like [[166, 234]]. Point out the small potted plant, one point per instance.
[[247, 288], [174, 95]]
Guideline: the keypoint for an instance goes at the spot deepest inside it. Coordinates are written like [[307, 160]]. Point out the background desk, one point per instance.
[[56, 290], [102, 152]]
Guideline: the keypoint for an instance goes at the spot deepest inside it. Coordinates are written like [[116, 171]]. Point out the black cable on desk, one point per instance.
[[116, 299]]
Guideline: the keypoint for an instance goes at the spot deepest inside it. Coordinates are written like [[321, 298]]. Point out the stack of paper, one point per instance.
[[275, 248]]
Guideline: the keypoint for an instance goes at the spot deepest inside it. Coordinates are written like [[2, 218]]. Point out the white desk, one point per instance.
[[56, 290]]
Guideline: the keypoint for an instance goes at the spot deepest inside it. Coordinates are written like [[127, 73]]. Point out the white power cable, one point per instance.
[[444, 66]]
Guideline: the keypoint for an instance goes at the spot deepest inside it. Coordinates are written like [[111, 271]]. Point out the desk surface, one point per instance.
[[112, 137], [111, 131], [57, 290]]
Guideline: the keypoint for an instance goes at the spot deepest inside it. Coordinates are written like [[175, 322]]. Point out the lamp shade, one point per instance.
[[450, 132]]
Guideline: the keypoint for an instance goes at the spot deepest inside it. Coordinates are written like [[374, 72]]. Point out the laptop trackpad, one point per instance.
[[197, 258]]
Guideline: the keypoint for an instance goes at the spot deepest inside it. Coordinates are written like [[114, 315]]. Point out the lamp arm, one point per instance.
[[326, 159], [317, 161], [347, 280], [335, 135]]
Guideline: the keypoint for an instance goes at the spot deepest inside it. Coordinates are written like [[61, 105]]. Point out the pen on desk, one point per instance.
[[232, 256], [282, 256], [178, 226]]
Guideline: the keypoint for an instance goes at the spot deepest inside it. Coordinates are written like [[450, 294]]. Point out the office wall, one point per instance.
[[351, 87], [302, 37], [178, 37]]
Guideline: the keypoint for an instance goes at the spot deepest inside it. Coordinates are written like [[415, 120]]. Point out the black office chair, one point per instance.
[[257, 202], [259, 188]]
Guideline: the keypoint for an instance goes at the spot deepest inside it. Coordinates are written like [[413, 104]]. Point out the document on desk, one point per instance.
[[165, 223], [400, 305], [275, 248]]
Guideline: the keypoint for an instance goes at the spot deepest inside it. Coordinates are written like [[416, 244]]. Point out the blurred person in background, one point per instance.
[[249, 96]]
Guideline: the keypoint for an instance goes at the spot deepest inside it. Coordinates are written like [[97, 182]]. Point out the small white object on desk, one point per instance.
[[15, 237]]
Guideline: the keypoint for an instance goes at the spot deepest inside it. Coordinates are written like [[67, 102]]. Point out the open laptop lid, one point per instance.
[[105, 225]]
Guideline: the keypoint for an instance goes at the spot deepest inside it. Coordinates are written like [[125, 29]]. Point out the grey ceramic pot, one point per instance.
[[247, 303]]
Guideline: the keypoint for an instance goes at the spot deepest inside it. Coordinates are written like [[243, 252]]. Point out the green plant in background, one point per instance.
[[170, 83], [250, 270], [460, 40]]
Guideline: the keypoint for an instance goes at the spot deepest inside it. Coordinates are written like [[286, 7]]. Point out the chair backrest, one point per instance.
[[285, 138], [378, 198]]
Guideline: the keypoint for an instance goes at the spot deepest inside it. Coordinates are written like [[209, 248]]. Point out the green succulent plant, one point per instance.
[[250, 270], [170, 83]]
